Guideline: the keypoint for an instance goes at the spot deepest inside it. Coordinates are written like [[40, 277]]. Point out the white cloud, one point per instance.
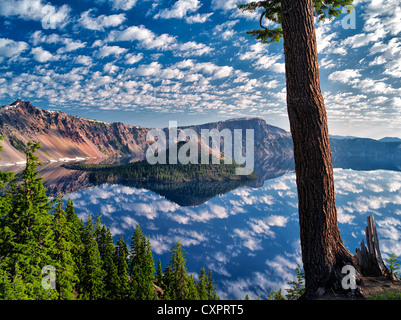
[[278, 221], [146, 38], [149, 40], [11, 49], [179, 9], [345, 76], [226, 4], [42, 55], [225, 30], [390, 56], [258, 53], [106, 51], [36, 10], [100, 22], [119, 4], [69, 44], [84, 60], [152, 69], [209, 68], [191, 48], [133, 58], [250, 241], [128, 222], [198, 18]]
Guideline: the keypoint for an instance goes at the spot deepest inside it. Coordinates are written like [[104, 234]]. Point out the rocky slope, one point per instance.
[[64, 137]]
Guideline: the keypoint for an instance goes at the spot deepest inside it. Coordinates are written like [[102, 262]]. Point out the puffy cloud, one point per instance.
[[226, 4], [100, 22], [146, 38], [163, 243], [261, 58], [225, 30], [11, 49], [133, 58], [191, 48], [179, 9], [198, 18], [345, 76], [84, 60], [119, 4], [106, 51], [42, 55], [152, 69], [50, 16], [70, 45]]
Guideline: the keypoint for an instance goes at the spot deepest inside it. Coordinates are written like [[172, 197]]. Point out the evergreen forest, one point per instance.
[[48, 253]]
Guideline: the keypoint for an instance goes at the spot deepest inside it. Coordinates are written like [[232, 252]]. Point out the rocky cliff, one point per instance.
[[64, 137]]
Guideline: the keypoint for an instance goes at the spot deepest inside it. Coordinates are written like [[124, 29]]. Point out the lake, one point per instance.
[[247, 236]]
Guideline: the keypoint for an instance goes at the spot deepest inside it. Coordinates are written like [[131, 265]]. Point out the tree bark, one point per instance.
[[323, 252]]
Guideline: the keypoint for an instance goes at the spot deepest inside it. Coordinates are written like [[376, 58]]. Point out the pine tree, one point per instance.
[[92, 285], [323, 253], [297, 287], [192, 290], [159, 274], [211, 292], [201, 285], [65, 264], [141, 267], [121, 261], [76, 235], [178, 288], [27, 226], [393, 265], [111, 279], [168, 284]]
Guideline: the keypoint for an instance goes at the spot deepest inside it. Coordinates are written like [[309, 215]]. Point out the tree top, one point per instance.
[[271, 10]]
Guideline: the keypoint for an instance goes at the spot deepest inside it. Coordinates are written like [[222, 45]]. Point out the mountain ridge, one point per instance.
[[69, 138], [66, 138]]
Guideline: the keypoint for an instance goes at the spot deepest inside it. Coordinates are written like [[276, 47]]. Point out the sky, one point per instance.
[[146, 63]]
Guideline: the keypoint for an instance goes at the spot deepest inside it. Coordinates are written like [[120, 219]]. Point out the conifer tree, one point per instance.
[[141, 267], [65, 264], [211, 292], [159, 274], [111, 279], [168, 283], [297, 287], [323, 252], [178, 286], [27, 228], [192, 290], [201, 285], [76, 235], [92, 285], [121, 260]]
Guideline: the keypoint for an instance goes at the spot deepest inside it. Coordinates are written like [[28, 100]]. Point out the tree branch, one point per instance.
[[267, 8], [260, 20]]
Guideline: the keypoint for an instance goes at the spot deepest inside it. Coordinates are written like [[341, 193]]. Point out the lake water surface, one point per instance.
[[248, 237]]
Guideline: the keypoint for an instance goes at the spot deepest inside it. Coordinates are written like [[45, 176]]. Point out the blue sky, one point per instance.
[[147, 62]]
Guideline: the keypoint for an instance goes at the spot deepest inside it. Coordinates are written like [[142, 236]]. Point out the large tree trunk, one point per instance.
[[323, 252]]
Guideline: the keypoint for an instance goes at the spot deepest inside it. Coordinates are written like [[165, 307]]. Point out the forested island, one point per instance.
[[166, 173]]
